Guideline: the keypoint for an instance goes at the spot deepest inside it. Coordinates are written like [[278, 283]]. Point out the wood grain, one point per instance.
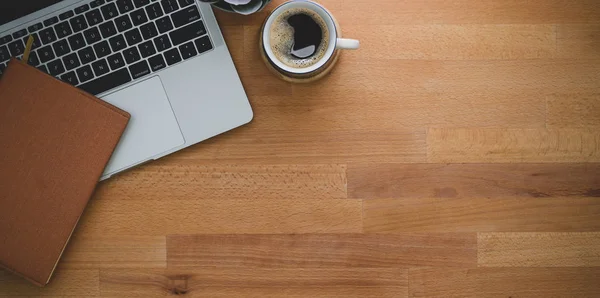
[[141, 217], [309, 147], [183, 181], [115, 252], [357, 292], [457, 42], [64, 283], [369, 181], [500, 214], [443, 282], [471, 145], [322, 250], [405, 111], [256, 282], [394, 12], [578, 41], [538, 249], [504, 282], [574, 111], [330, 108], [528, 76]]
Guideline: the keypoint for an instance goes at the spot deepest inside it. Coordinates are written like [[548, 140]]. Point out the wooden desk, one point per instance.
[[455, 155]]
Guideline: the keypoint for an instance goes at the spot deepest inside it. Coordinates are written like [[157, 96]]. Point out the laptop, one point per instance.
[[163, 61]]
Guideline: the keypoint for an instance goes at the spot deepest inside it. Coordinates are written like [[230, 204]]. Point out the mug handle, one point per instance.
[[347, 44]]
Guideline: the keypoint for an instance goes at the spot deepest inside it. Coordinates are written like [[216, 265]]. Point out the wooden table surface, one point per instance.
[[456, 154]]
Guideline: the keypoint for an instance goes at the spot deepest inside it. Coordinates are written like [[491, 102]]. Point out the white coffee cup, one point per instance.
[[335, 41]]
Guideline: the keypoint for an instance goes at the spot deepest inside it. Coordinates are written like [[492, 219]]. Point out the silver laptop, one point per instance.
[[163, 61]]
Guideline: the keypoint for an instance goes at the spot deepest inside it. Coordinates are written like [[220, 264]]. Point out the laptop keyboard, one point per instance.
[[104, 44]]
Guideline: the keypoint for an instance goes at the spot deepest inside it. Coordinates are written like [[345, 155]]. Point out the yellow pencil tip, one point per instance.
[[28, 47]]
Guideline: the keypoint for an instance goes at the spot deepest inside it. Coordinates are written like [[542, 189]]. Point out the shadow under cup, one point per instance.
[[331, 57]]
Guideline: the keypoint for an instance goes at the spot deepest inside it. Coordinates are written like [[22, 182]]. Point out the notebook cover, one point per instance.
[[55, 141]]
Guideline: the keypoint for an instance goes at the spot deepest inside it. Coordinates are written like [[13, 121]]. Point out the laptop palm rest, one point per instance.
[[152, 130]]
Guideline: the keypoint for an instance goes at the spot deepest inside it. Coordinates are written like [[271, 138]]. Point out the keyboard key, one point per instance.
[[33, 59], [133, 36], [149, 31], [85, 73], [188, 50], [131, 55], [107, 82], [187, 33], [61, 47], [65, 15], [164, 24], [76, 41], [169, 6], [139, 69], [108, 29], [162, 43], [46, 54], [5, 39], [124, 6], [147, 49], [35, 27], [56, 67], [157, 62], [50, 21], [36, 41], [82, 9], [185, 16], [123, 23], [63, 29], [140, 3], [2, 68], [102, 49], [172, 56], [109, 11], [43, 68], [86, 55], [71, 61], [70, 78], [78, 23], [19, 33], [139, 17], [100, 67], [94, 17], [184, 3], [203, 44], [16, 48], [92, 35], [116, 61], [47, 36], [154, 11], [96, 3], [117, 43], [4, 54]]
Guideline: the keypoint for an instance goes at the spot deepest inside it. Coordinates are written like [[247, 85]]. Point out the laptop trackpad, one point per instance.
[[152, 129]]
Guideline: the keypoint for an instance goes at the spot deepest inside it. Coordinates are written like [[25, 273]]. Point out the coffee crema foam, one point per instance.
[[282, 39]]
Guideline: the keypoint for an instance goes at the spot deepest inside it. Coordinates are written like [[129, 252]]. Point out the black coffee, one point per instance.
[[308, 35], [299, 37]]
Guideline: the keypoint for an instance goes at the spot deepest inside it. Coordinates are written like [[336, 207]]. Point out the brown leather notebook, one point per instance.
[[55, 141]]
